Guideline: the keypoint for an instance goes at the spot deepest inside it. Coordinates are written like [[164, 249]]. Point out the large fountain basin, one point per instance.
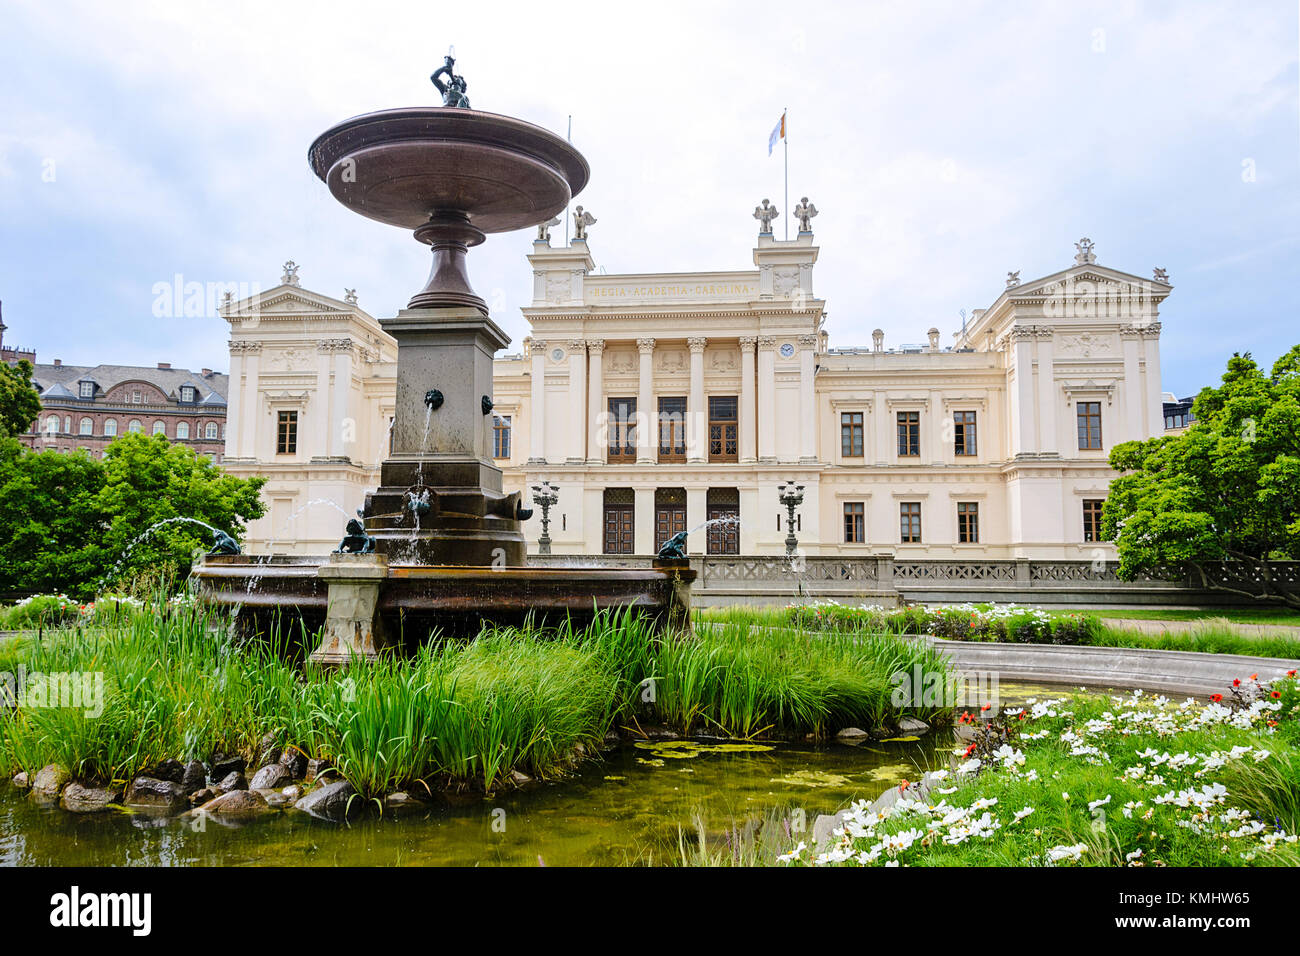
[[400, 166], [415, 600]]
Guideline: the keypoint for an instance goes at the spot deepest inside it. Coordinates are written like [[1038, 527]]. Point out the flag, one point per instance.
[[777, 133]]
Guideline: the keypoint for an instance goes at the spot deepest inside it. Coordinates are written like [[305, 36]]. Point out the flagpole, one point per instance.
[[569, 137], [785, 128]]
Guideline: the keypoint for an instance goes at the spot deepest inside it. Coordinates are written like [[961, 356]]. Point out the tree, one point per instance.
[[20, 403], [1226, 491], [50, 518], [147, 480], [75, 524]]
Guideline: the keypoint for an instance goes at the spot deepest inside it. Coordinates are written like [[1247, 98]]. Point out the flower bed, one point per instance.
[[1120, 781]]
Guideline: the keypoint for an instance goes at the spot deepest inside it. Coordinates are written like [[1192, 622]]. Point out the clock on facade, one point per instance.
[[557, 354], [787, 350]]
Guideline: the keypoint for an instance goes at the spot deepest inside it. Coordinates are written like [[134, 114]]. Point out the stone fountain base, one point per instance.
[[362, 604]]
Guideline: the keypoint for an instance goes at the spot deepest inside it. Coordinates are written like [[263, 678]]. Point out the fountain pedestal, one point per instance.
[[440, 500], [352, 626]]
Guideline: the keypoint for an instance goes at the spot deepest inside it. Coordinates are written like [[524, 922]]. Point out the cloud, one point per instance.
[[943, 143]]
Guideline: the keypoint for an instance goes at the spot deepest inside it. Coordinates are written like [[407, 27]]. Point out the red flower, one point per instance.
[[986, 707], [968, 750], [1276, 694], [1236, 682], [1216, 697], [1254, 677], [1290, 673]]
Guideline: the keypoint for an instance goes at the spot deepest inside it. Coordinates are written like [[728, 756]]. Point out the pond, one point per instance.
[[628, 807]]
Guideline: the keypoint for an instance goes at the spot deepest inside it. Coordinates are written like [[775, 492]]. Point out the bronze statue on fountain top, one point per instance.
[[453, 91]]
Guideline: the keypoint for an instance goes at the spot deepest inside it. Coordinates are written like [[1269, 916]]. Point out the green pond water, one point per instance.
[[628, 807]]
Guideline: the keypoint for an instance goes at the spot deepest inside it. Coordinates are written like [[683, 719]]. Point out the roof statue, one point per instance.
[[544, 229], [581, 220], [765, 214], [804, 212], [290, 276], [1083, 255]]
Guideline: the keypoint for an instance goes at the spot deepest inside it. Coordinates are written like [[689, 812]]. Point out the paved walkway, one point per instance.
[[1179, 627]]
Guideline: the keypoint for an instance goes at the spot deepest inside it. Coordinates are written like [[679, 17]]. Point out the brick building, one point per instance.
[[88, 406]]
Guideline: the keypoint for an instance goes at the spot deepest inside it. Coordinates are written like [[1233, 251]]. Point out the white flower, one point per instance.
[[1021, 814], [1071, 854]]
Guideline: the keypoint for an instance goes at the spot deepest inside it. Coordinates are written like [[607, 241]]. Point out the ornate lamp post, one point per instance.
[[791, 495], [545, 495]]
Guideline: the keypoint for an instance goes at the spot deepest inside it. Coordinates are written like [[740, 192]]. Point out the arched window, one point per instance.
[[160, 428], [110, 427], [135, 428], [182, 429], [86, 427], [52, 424], [210, 430]]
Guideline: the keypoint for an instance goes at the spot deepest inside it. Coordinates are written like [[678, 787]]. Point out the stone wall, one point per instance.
[[886, 581]]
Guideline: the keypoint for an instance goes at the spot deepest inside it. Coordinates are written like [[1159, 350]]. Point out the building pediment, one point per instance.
[[286, 300]]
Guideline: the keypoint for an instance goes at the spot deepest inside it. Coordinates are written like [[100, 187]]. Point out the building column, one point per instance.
[[646, 439], [537, 409], [697, 416], [345, 434], [696, 513], [1135, 395], [320, 406], [577, 402], [1049, 411], [234, 404], [595, 402], [747, 410], [643, 503], [1155, 415], [250, 410], [766, 399], [807, 398], [1024, 427]]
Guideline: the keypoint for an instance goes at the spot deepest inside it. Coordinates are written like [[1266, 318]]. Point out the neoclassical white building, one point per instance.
[[657, 401]]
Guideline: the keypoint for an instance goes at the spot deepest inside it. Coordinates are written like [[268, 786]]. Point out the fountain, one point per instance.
[[443, 543]]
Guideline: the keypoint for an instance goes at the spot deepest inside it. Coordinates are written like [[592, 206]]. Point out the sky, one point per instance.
[[944, 144]]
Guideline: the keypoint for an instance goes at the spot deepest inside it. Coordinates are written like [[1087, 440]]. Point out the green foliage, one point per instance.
[[69, 518], [20, 403], [1227, 489], [459, 713]]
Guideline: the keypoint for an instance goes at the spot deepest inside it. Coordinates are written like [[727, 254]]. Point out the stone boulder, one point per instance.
[[225, 764], [329, 801], [271, 776], [49, 783], [234, 803], [195, 777], [274, 798], [22, 781], [294, 761], [157, 794], [77, 798], [267, 749], [169, 769], [852, 733], [202, 796], [912, 727], [232, 781], [316, 768], [293, 792]]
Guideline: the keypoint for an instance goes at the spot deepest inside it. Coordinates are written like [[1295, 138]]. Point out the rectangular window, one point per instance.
[[622, 430], [500, 436], [968, 522], [851, 434], [87, 390], [1089, 426], [620, 520], [909, 434], [1092, 519], [672, 429], [723, 537], [909, 513], [724, 434], [286, 433], [855, 522], [963, 433]]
